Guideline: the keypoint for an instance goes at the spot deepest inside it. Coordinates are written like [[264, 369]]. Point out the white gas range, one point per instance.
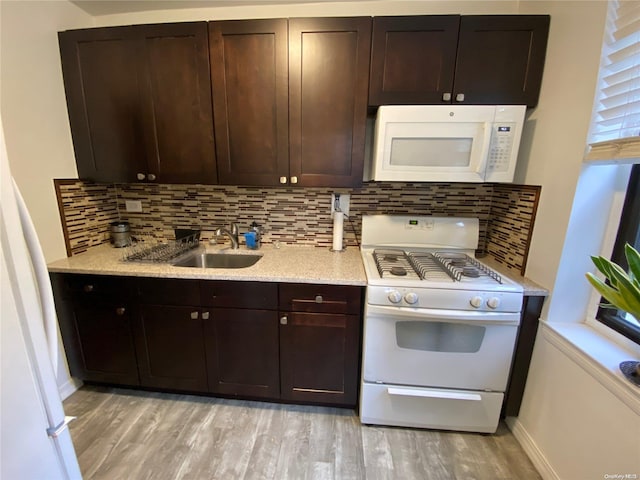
[[439, 328]]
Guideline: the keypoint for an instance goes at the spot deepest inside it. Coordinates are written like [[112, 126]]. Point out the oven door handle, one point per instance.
[[436, 315], [412, 392]]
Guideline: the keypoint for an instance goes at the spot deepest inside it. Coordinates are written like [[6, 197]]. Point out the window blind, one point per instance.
[[617, 109]]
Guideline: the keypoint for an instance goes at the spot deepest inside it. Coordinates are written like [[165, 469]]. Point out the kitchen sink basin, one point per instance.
[[217, 260]]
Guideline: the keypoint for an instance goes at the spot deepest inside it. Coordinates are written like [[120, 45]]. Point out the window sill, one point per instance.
[[597, 355]]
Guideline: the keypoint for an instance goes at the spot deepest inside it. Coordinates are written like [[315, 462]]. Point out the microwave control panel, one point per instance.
[[501, 146]]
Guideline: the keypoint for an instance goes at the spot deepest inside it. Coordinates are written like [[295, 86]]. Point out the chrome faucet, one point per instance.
[[232, 234]]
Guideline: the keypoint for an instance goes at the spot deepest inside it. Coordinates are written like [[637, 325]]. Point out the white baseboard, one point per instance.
[[69, 387], [531, 449]]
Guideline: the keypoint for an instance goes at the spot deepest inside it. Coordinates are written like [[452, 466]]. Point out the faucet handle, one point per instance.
[[234, 228]]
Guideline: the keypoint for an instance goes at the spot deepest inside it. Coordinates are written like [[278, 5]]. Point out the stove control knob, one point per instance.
[[394, 296], [493, 302], [476, 302], [411, 298]]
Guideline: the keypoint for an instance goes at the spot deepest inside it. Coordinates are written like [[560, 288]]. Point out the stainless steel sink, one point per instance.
[[217, 260]]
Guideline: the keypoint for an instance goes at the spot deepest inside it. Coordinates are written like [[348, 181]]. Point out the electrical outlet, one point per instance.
[[344, 203], [133, 205]]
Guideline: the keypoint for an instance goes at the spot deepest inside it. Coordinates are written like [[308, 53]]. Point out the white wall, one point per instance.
[[329, 9], [572, 422], [34, 109], [34, 115], [557, 129]]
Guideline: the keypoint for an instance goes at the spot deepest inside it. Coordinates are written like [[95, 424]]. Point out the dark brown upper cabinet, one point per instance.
[[499, 59], [290, 100], [139, 103], [250, 100], [328, 73], [412, 59]]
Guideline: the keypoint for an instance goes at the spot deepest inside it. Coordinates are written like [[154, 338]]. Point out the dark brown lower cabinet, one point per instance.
[[319, 358], [95, 317], [170, 347], [242, 352], [531, 310], [220, 337], [104, 350]]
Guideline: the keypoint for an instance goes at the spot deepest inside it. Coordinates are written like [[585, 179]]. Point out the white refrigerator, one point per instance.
[[35, 443]]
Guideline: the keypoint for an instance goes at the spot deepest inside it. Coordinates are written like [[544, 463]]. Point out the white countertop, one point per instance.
[[285, 264]]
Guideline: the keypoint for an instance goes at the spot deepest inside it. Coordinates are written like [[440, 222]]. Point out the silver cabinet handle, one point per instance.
[[88, 288], [194, 315], [319, 299], [283, 179], [151, 177], [460, 97], [446, 97], [205, 315], [284, 320], [120, 311], [294, 179], [141, 176]]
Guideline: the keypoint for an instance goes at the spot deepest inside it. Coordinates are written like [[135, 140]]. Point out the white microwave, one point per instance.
[[445, 143]]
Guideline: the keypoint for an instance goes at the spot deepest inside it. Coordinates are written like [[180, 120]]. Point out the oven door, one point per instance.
[[438, 348]]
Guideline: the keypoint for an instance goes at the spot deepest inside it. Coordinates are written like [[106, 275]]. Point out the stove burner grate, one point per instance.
[[393, 263]]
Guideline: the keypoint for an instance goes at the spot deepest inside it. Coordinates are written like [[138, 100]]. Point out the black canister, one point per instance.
[[120, 235]]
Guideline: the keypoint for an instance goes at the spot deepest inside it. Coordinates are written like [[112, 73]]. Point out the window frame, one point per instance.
[[628, 232]]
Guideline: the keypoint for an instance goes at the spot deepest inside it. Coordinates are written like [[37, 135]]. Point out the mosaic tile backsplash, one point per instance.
[[295, 215]]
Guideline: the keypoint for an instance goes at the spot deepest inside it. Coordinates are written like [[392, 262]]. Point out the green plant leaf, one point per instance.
[[633, 259], [608, 292]]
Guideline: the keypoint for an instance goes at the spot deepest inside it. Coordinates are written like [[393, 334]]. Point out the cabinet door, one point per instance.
[[177, 103], [249, 77], [328, 83], [413, 59], [501, 58], [103, 99], [319, 358], [99, 342], [242, 352], [94, 313], [170, 348]]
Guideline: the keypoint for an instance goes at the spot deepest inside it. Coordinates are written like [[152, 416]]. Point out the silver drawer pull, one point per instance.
[[319, 299], [284, 320], [88, 288], [120, 311], [194, 315], [205, 315]]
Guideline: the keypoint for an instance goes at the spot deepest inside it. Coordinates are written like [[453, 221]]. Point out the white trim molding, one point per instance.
[[531, 449]]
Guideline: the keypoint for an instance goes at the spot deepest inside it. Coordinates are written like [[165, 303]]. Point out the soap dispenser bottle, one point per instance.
[[252, 237]]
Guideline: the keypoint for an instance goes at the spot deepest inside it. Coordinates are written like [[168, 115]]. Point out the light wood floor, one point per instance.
[[128, 434]]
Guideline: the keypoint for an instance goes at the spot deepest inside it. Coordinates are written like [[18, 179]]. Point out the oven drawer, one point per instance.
[[445, 409]]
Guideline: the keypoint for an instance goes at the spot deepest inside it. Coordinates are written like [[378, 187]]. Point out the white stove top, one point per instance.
[[418, 261], [414, 268]]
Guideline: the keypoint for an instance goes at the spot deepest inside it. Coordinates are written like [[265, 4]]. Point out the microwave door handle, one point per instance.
[[484, 155]]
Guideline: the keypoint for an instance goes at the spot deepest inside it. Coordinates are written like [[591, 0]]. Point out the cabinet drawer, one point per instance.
[[320, 298], [238, 294], [94, 287], [165, 291]]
